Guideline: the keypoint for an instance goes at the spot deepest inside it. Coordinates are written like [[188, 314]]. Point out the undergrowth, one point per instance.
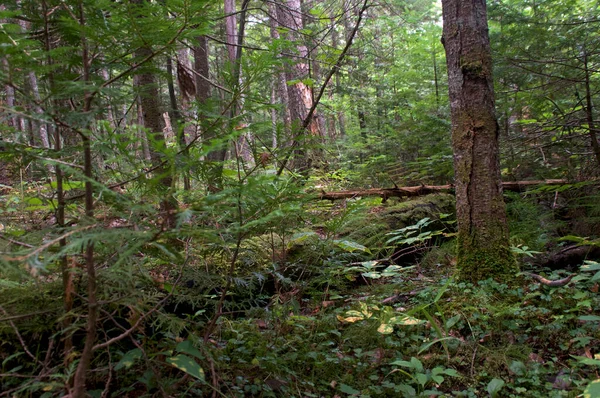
[[314, 311]]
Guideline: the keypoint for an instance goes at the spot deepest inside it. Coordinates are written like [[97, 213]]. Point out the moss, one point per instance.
[[492, 261]]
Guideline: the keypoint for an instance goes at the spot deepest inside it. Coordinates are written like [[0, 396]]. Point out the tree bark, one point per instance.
[[280, 81], [483, 239], [177, 122], [589, 110], [153, 121], [300, 96]]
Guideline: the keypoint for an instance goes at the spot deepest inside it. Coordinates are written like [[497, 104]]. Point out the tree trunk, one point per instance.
[[187, 88], [589, 111], [280, 82], [483, 239], [300, 95], [177, 123], [153, 122]]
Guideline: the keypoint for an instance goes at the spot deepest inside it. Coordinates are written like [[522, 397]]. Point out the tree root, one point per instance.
[[548, 282]]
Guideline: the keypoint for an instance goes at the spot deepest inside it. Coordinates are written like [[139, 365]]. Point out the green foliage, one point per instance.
[[255, 288]]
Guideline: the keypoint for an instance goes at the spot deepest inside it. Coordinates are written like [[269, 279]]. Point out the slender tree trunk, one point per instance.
[[33, 82], [341, 118], [143, 138], [177, 122], [230, 29], [187, 88], [203, 88], [280, 81], [435, 76], [274, 130], [79, 381], [10, 96], [245, 140], [483, 239], [589, 111]]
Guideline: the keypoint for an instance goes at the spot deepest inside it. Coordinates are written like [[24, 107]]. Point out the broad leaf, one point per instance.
[[592, 390], [494, 386], [187, 365], [129, 359]]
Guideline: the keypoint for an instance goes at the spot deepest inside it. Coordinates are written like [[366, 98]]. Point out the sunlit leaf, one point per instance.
[[385, 328], [405, 320], [187, 365]]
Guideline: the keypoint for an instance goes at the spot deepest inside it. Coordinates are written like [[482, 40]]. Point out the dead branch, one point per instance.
[[401, 192], [551, 283]]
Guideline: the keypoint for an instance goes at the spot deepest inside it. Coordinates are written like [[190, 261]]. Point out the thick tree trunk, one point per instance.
[[483, 239]]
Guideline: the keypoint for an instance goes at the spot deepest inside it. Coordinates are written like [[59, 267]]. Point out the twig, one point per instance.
[[49, 243], [15, 242], [23, 344], [141, 318]]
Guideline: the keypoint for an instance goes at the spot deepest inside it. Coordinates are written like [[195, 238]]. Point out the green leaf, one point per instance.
[[372, 275], [187, 347], [592, 390], [437, 379], [408, 391], [421, 378], [348, 390], [518, 368], [129, 359], [592, 318], [452, 321], [494, 386], [301, 237], [417, 365], [406, 364], [187, 365], [350, 246], [451, 372], [587, 361], [369, 264], [590, 266]]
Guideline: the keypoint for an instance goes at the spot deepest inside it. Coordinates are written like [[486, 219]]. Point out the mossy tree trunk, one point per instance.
[[483, 240]]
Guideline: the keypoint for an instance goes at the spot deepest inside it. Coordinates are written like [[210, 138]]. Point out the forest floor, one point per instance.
[[361, 302]]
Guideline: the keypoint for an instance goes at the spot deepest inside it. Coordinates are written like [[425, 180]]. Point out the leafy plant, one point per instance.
[[421, 377]]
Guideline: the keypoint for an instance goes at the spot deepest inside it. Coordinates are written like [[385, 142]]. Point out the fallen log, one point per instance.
[[402, 192]]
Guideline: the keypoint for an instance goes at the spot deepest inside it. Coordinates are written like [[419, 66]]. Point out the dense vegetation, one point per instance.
[[162, 228]]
